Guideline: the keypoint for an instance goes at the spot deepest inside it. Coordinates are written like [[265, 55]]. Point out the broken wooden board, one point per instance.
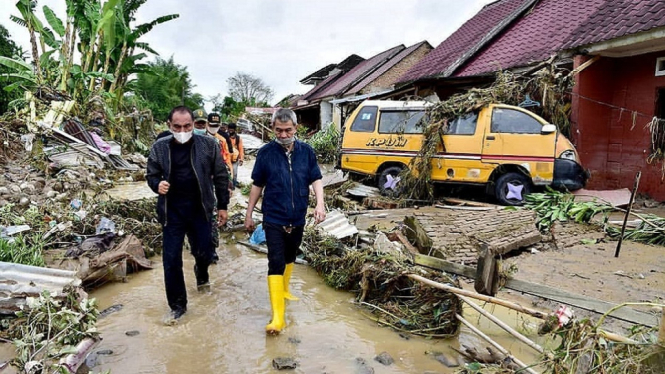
[[583, 302], [616, 198]]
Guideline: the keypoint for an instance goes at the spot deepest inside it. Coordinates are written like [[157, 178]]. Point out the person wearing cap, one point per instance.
[[238, 156], [187, 172], [213, 124], [283, 171]]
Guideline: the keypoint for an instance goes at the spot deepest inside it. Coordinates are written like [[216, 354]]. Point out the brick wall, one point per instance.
[[387, 79]]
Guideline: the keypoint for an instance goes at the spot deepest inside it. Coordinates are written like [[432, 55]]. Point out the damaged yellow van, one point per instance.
[[508, 149]]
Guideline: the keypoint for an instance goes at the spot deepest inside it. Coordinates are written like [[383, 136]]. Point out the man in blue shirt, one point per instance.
[[283, 171]]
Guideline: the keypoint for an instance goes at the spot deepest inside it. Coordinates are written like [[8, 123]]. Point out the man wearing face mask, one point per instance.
[[283, 171], [188, 173], [213, 129]]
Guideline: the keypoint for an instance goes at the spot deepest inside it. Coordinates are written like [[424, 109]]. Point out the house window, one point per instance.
[[660, 66], [365, 120], [514, 122], [464, 125], [402, 122]]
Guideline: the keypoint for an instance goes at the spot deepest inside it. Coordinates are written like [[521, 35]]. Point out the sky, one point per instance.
[[279, 41]]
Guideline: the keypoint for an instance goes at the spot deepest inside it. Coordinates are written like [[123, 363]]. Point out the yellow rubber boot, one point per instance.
[[287, 278], [276, 288]]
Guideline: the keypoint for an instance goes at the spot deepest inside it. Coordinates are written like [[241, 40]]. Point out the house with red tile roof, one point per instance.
[[340, 92], [619, 90]]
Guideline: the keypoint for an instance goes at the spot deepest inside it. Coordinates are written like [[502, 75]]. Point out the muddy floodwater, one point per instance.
[[223, 331]]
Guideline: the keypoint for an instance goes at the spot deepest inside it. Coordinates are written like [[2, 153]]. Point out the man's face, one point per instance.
[[224, 128], [232, 131], [181, 122], [213, 128], [200, 125], [284, 130]]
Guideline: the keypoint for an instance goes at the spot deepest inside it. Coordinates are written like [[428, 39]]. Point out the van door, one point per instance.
[[515, 136], [354, 155]]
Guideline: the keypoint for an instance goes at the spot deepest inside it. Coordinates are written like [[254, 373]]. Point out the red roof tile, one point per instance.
[[384, 68], [617, 18], [358, 72], [462, 40], [534, 37], [321, 86]]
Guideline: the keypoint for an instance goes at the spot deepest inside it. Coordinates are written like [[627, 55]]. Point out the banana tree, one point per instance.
[[30, 21]]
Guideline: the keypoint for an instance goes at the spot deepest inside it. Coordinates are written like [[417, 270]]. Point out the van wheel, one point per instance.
[[511, 188], [388, 182]]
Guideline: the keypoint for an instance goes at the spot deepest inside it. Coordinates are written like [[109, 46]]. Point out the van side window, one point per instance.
[[402, 122], [464, 125], [365, 120], [514, 122]]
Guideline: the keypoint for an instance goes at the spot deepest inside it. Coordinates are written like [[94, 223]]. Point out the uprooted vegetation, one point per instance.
[[553, 206], [549, 85], [382, 284]]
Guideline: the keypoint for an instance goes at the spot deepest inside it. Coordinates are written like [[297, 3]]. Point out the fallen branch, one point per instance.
[[495, 345]]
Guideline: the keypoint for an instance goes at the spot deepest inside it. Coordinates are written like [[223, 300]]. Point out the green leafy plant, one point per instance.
[[552, 206], [325, 143]]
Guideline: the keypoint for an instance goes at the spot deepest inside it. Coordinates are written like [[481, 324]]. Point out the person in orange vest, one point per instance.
[[213, 122], [238, 155]]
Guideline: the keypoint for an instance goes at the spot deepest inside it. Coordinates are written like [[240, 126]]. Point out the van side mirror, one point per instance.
[[548, 129]]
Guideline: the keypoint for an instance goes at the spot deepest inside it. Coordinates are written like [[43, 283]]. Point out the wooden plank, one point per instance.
[[453, 200], [584, 302], [579, 301]]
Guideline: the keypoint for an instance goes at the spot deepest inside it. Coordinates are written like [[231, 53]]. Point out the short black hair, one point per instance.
[[232, 126], [181, 109]]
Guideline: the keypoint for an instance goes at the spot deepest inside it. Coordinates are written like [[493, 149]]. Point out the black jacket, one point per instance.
[[208, 167]]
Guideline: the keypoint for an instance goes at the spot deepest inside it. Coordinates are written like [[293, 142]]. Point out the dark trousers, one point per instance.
[[184, 218], [282, 246]]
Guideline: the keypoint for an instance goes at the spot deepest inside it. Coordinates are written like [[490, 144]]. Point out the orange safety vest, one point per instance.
[[226, 155]]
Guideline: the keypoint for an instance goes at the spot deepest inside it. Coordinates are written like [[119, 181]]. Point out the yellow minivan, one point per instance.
[[506, 148]]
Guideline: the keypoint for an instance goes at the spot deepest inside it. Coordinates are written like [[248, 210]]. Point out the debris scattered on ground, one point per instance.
[[384, 358], [284, 363], [381, 283]]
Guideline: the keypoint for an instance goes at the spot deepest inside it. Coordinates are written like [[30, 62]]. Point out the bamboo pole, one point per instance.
[[504, 326], [495, 345], [630, 207], [661, 331], [489, 299]]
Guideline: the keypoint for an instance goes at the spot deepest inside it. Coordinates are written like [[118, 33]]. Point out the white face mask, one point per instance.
[[182, 137], [212, 130], [286, 142]]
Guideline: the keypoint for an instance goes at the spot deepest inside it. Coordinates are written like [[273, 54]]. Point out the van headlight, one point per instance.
[[569, 155]]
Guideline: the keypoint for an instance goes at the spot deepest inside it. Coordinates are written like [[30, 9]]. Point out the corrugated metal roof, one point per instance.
[[337, 225], [20, 281]]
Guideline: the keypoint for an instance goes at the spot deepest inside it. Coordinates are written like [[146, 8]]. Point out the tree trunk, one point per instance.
[[35, 54], [64, 58], [95, 59], [116, 75]]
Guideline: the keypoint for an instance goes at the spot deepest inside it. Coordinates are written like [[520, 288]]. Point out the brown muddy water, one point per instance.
[[223, 331]]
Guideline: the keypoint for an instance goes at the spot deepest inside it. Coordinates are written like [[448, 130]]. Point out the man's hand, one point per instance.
[[319, 213], [240, 162], [222, 217], [163, 187], [249, 223]]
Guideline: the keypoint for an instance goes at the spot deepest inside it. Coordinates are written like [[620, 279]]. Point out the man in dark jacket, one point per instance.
[[283, 171], [187, 172]]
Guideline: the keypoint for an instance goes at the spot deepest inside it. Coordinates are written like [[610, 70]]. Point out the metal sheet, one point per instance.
[[361, 190], [20, 281], [337, 225]]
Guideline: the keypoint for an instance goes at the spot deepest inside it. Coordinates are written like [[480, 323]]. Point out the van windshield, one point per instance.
[[402, 122]]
